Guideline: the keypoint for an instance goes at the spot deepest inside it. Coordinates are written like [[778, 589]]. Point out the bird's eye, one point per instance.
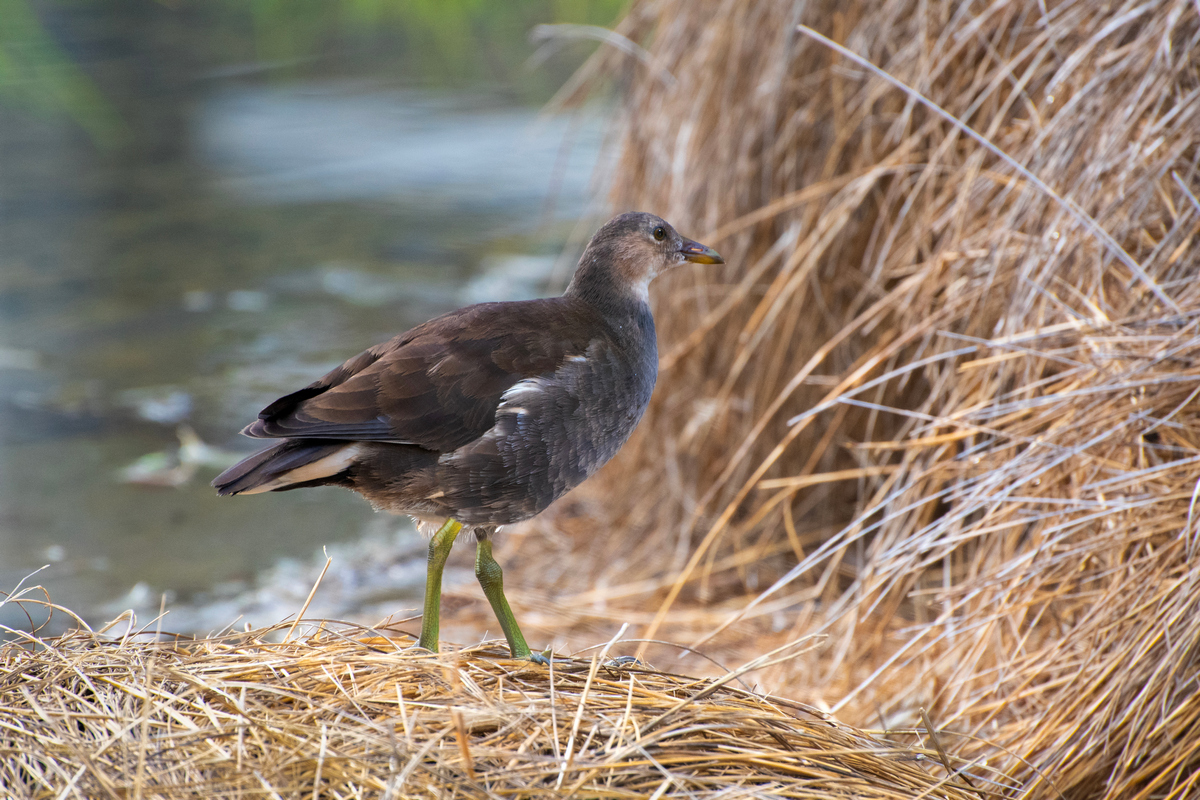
[[660, 233]]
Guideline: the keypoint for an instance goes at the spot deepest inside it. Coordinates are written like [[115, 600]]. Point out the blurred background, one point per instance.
[[206, 205]]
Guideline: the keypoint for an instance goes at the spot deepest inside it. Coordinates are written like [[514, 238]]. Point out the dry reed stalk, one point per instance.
[[351, 714], [949, 410]]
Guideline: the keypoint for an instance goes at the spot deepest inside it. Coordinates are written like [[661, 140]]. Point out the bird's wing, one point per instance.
[[438, 385]]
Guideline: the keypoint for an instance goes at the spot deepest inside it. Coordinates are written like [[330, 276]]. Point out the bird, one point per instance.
[[484, 416]]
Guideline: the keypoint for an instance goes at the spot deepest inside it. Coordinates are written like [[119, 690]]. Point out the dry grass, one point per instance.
[[941, 404], [348, 713]]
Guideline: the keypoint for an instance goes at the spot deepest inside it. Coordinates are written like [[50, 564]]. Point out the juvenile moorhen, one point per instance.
[[486, 415]]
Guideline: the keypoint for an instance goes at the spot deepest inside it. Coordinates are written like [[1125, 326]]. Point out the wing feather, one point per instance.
[[437, 386]]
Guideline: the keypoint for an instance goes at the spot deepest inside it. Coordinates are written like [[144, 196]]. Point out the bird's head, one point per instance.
[[631, 250]]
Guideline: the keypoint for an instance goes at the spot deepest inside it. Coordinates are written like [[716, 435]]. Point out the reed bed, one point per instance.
[[351, 713], [940, 406]]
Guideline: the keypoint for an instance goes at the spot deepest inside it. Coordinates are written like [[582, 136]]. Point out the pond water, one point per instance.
[[222, 231]]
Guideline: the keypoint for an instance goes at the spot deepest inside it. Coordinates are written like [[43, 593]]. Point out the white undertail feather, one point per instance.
[[330, 465]]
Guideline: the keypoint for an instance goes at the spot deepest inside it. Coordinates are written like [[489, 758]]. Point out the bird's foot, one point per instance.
[[542, 658], [417, 647], [624, 661]]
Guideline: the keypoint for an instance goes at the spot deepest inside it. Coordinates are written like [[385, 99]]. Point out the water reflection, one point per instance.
[[249, 235], [341, 143]]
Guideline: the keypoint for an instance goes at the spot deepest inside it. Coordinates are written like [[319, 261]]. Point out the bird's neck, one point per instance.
[[602, 286], [624, 309]]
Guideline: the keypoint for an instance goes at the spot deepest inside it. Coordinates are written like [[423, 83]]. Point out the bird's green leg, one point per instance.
[[491, 578], [439, 551]]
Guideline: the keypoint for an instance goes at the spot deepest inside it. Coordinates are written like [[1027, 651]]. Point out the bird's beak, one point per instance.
[[699, 254]]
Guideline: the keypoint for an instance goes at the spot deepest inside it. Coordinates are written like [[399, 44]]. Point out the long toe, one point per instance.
[[618, 662]]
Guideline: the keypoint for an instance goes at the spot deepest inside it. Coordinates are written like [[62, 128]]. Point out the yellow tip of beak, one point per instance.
[[700, 254]]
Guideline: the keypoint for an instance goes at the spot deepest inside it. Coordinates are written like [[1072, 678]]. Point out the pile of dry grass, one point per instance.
[[351, 714], [941, 404]]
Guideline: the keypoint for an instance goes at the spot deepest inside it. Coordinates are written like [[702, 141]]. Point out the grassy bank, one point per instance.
[[349, 713]]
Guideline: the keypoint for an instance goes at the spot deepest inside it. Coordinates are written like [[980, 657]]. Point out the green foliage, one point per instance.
[[35, 74], [436, 43]]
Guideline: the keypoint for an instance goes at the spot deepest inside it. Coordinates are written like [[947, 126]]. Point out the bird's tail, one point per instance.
[[291, 464]]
